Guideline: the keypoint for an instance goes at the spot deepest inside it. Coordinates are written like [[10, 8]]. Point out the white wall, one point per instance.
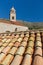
[[13, 15], [10, 27]]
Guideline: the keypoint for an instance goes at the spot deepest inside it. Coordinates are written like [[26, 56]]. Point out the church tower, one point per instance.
[[12, 14]]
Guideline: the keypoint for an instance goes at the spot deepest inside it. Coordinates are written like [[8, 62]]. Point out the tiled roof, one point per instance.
[[11, 22], [23, 48]]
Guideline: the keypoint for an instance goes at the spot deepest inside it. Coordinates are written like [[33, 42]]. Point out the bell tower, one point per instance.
[[12, 14]]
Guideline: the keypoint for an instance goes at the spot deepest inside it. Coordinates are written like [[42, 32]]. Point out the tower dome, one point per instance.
[[13, 10]]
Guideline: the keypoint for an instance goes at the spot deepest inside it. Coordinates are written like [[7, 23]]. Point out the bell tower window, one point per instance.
[[12, 17]]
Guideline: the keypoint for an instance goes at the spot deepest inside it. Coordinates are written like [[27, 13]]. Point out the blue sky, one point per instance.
[[27, 10]]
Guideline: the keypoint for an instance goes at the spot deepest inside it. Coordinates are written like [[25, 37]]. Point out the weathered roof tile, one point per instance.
[[23, 48]]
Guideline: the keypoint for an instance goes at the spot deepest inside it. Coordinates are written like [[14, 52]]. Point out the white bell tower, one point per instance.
[[12, 14]]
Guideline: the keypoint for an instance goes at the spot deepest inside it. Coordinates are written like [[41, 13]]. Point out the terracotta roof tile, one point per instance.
[[23, 48], [17, 60], [38, 60], [27, 60]]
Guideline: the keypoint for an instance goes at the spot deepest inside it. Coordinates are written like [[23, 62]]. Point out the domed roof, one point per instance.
[[12, 9]]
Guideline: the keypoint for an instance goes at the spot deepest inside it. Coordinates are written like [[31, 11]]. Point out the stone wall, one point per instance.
[[10, 27]]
